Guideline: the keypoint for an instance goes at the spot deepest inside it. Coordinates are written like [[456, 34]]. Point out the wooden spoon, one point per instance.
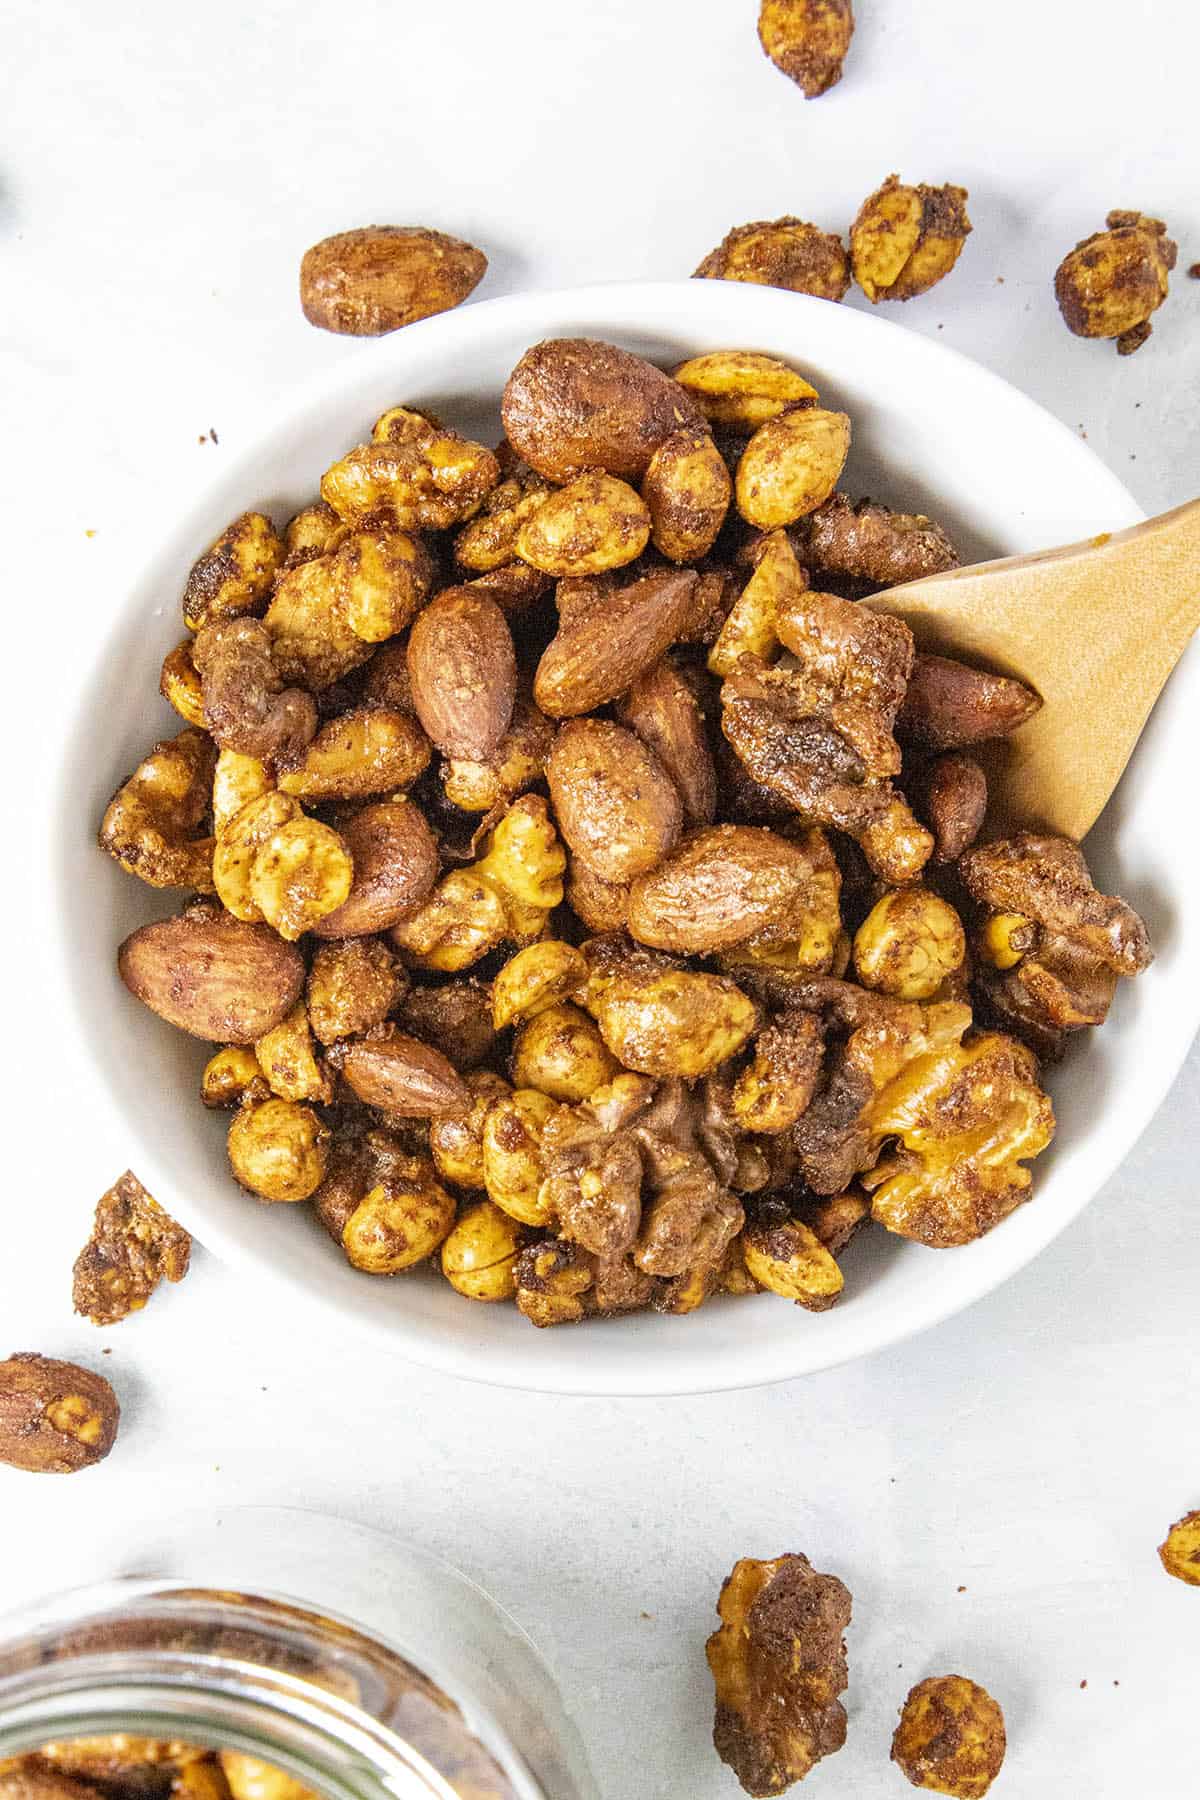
[[1095, 628]]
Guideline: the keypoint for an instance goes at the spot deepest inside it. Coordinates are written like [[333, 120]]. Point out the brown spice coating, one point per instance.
[[687, 489], [905, 239], [782, 253], [607, 638], [948, 704], [246, 705], [871, 544], [455, 1017], [463, 671], [616, 807], [55, 1417], [807, 40], [778, 1663], [212, 975], [133, 1246], [950, 1737], [574, 403], [379, 277], [662, 708], [395, 861], [353, 984]]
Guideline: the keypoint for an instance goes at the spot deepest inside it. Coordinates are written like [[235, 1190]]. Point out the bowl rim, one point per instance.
[[536, 312]]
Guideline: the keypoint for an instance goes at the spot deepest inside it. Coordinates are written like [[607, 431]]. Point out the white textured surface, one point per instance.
[[160, 180]]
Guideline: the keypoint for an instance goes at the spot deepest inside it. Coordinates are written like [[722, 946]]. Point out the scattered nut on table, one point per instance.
[[380, 277], [950, 1739], [1111, 282], [808, 40], [1180, 1550], [905, 239], [778, 1663], [55, 1417], [133, 1246]]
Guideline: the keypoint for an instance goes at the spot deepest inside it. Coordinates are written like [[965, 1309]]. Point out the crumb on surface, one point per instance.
[[1194, 271]]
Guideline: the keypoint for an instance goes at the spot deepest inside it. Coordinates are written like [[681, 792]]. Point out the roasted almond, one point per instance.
[[395, 866], [573, 404], [212, 975], [948, 704], [607, 639], [463, 671], [402, 1075], [662, 709], [54, 1416], [723, 885], [380, 277], [616, 806]]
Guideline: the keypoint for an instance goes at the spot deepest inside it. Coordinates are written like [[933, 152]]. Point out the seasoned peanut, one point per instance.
[[790, 465], [539, 976], [289, 1063], [301, 872], [512, 1168], [516, 763], [904, 239], [1111, 282], [456, 1139], [277, 1149], [231, 1076], [312, 640], [384, 578], [778, 582], [807, 40], [234, 577], [594, 523], [400, 1221], [237, 780], [489, 541], [782, 253], [367, 751], [561, 1053], [950, 1737], [379, 277], [742, 389], [790, 1260], [479, 1256], [687, 490]]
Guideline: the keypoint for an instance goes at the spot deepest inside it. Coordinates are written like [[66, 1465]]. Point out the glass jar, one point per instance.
[[361, 1667]]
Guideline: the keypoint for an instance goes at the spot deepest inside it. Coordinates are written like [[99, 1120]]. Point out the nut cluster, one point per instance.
[[584, 890]]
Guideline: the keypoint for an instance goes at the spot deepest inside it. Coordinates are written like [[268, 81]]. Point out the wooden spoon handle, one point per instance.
[[1095, 628]]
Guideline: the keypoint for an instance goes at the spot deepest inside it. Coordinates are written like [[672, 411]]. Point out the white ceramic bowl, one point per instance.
[[932, 432]]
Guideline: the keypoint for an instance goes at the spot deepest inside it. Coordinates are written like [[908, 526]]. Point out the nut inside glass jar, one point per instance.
[[297, 1656]]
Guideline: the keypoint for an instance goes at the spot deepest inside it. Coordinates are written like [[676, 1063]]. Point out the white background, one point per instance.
[[161, 171]]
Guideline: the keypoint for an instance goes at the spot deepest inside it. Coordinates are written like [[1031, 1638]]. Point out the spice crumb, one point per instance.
[[647, 1615], [999, 281], [1083, 1683], [89, 534], [212, 432], [962, 1590], [107, 1350], [1194, 271]]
